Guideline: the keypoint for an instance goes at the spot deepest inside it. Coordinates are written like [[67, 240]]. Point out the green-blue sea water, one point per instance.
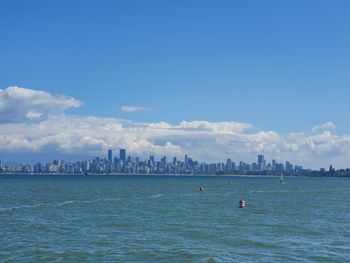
[[167, 219]]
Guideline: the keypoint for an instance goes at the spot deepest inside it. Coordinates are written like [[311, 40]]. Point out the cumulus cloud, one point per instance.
[[207, 141], [216, 127], [128, 108], [21, 104], [328, 126]]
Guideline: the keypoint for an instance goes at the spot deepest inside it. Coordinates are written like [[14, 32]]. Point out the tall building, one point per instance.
[[122, 154], [261, 158], [110, 158], [228, 167], [163, 160], [261, 162], [273, 164], [289, 167]]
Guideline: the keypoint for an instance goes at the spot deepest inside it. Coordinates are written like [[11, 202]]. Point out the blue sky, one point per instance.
[[281, 66]]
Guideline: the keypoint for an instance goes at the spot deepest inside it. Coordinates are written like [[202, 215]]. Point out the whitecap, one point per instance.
[[67, 202], [6, 209], [156, 196]]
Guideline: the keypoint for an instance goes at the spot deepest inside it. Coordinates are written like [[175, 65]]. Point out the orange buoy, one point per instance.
[[241, 203]]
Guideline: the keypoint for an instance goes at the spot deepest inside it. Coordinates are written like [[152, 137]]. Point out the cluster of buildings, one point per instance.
[[124, 164]]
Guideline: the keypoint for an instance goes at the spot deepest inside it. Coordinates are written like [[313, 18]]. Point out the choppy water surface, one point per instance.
[[167, 219]]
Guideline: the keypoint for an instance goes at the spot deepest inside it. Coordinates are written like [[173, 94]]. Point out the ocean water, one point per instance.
[[167, 219]]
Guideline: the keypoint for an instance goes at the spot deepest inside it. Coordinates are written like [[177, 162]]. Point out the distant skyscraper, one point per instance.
[[289, 167], [261, 162], [122, 154], [260, 158], [163, 160], [110, 157]]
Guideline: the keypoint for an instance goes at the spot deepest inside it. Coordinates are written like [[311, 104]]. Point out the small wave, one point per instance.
[[270, 191], [105, 199], [234, 193], [87, 201], [156, 196], [67, 202], [92, 201], [196, 194], [7, 209]]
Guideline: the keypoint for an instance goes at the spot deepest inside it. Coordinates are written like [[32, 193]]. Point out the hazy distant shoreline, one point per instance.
[[144, 175], [164, 175]]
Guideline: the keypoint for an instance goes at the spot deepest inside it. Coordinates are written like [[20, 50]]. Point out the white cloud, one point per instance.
[[328, 126], [216, 127], [207, 141], [128, 108], [21, 104], [160, 125]]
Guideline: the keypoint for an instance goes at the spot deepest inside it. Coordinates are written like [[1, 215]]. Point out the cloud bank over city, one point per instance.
[[33, 121]]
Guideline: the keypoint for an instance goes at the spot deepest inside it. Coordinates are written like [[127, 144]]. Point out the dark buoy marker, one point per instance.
[[241, 203], [201, 189]]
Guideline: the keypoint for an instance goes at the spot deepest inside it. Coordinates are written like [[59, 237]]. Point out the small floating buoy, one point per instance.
[[241, 203], [201, 189]]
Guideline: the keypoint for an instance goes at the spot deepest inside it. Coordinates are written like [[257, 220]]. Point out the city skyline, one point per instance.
[[211, 79], [124, 164], [127, 164]]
